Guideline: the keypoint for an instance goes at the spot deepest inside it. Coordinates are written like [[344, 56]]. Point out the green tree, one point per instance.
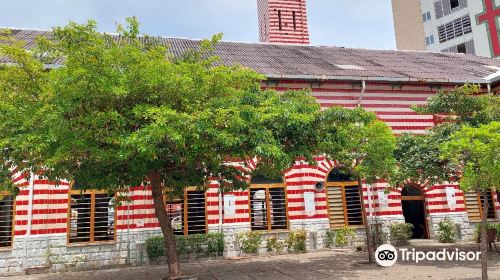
[[477, 151], [360, 142], [127, 112], [421, 158]]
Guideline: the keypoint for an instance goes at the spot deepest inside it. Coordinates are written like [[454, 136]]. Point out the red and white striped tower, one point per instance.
[[283, 21]]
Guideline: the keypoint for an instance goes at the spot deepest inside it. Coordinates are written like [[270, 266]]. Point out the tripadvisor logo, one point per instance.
[[386, 255]]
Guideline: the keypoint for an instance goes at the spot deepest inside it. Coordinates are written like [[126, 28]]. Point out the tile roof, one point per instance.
[[336, 63]]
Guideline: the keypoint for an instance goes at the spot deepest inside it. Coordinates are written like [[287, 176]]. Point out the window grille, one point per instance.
[[268, 209], [6, 220], [191, 221], [91, 217]]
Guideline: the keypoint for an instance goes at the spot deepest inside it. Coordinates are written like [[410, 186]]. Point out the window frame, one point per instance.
[[267, 187], [184, 201], [342, 186], [480, 205], [13, 222], [92, 194]]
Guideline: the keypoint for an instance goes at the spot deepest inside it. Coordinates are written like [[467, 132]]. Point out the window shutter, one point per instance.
[[336, 207], [438, 8], [472, 205]]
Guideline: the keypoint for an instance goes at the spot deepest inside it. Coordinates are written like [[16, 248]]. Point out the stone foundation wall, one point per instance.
[[51, 252], [464, 228]]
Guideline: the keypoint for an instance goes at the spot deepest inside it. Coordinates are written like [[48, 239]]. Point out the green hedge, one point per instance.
[[200, 245]]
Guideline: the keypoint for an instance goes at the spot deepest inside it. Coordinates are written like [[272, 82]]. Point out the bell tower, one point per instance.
[[283, 21]]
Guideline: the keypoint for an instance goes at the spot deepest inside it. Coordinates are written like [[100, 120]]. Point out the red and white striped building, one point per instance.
[[53, 226]]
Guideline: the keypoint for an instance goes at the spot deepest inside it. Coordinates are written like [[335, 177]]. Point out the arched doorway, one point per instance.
[[413, 204]]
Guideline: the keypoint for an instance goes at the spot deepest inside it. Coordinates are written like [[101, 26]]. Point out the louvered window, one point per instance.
[[344, 205], [91, 217], [6, 220], [473, 203], [193, 220], [454, 29], [268, 209]]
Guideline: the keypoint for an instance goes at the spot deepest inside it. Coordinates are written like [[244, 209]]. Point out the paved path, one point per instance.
[[343, 264]]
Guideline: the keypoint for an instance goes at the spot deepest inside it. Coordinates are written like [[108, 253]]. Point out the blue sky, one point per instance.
[[349, 23]]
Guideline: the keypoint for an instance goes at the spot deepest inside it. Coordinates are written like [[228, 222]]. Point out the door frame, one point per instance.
[[417, 198]]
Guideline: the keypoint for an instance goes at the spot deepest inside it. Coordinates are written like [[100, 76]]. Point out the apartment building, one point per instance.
[[459, 26]]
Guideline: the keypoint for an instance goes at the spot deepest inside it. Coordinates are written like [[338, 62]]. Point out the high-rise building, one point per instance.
[[283, 21], [460, 26]]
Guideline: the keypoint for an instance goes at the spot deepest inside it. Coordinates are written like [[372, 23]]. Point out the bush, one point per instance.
[[400, 233], [250, 242], [275, 245], [155, 247], [296, 241], [201, 245], [340, 237], [446, 231]]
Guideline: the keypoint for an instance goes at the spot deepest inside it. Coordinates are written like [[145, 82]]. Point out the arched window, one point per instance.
[[344, 200], [268, 209], [6, 220], [91, 217]]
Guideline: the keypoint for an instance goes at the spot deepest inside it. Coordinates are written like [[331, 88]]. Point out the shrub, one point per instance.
[[274, 245], [250, 242], [446, 231], [215, 243], [296, 241], [200, 245], [330, 239], [155, 247], [400, 232], [344, 236]]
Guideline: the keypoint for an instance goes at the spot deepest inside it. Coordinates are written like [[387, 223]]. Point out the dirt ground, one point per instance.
[[337, 264]]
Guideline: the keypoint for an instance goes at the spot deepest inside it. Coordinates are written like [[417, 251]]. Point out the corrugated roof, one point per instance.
[[321, 62]]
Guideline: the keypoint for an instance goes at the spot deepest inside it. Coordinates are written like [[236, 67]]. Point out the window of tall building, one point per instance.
[[6, 220], [461, 48], [279, 20], [454, 29], [426, 16], [454, 4], [294, 20]]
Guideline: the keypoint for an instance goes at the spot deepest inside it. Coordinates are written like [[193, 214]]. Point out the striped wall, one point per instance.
[[390, 102]]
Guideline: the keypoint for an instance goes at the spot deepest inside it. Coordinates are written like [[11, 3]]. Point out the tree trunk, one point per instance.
[[484, 237], [369, 243], [165, 225]]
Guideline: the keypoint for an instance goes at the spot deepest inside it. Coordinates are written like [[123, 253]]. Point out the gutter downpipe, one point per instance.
[[220, 209], [30, 218], [363, 89], [368, 186]]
